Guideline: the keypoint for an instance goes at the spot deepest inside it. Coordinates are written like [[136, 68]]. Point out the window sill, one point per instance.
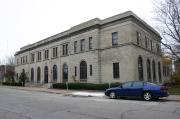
[[116, 78]]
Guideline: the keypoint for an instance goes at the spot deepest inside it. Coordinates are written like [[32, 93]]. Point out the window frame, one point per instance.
[[114, 38], [83, 47], [75, 46], [116, 71], [83, 70], [90, 70], [90, 43]]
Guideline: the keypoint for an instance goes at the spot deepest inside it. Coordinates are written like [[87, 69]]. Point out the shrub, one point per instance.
[[84, 86], [12, 84]]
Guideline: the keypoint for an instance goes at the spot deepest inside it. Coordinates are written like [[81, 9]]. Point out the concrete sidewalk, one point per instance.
[[80, 93]]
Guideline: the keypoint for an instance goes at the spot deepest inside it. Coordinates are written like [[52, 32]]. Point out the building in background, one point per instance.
[[117, 49]]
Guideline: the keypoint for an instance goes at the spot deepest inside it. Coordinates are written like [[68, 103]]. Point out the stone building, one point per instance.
[[117, 49]]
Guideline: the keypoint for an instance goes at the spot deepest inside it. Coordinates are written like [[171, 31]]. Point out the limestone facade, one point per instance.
[[96, 51]]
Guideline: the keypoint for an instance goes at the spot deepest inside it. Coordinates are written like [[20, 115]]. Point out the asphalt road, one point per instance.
[[18, 104]]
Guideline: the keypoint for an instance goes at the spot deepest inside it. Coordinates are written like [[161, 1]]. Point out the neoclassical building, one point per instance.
[[116, 49]]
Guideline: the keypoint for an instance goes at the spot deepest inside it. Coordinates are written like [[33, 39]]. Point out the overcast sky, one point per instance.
[[23, 22]]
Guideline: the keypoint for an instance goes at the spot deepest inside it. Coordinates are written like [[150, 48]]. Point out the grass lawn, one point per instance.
[[174, 89]]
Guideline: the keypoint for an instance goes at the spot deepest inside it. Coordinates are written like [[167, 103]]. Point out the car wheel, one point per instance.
[[147, 96], [112, 95]]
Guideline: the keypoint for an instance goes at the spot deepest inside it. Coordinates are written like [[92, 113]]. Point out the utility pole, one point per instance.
[[5, 67]]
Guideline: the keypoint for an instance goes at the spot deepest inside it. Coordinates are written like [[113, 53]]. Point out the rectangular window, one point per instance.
[[138, 38], [90, 70], [26, 58], [46, 54], [39, 56], [116, 70], [75, 46], [151, 45], [75, 71], [146, 42], [23, 59], [83, 45], [55, 52], [32, 57], [90, 43], [114, 38], [65, 49], [158, 48]]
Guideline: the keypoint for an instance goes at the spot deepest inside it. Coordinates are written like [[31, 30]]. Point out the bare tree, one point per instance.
[[168, 19], [10, 60]]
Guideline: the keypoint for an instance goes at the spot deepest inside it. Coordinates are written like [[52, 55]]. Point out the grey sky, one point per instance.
[[23, 22]]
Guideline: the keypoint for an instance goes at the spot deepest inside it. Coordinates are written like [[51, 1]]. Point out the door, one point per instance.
[[125, 90], [137, 89]]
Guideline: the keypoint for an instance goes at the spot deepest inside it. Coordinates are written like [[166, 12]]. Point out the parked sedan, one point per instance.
[[138, 89]]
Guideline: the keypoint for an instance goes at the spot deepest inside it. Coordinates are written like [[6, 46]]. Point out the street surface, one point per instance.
[[19, 104]]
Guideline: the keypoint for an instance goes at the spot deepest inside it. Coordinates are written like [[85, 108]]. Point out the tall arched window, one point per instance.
[[148, 70], [83, 70], [55, 73], [38, 74], [154, 71], [159, 71], [65, 73], [46, 74], [140, 68], [32, 75]]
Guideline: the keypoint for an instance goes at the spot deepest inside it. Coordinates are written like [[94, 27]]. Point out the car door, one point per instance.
[[137, 89], [126, 89]]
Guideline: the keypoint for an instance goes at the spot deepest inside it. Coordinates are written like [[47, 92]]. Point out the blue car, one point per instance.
[[138, 89]]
